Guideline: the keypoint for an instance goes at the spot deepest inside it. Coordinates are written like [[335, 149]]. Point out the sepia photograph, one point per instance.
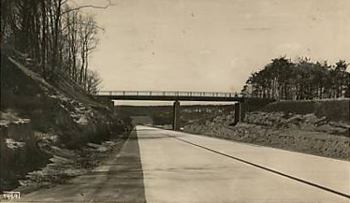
[[175, 101]]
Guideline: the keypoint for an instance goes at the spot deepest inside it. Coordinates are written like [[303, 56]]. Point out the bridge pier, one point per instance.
[[176, 116]]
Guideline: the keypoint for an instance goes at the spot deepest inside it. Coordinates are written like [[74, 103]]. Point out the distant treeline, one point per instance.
[[52, 35], [283, 79]]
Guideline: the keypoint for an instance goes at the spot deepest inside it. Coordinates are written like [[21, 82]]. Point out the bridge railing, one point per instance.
[[169, 93]]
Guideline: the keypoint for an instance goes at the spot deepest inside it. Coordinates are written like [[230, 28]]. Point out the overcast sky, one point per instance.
[[212, 45]]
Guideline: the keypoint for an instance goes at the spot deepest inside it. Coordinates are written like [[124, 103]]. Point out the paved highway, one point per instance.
[[180, 167], [161, 166]]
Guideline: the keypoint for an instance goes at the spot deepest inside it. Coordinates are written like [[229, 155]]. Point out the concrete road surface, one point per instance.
[[161, 166], [180, 167]]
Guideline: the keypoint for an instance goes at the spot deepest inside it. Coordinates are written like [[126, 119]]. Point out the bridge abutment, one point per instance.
[[239, 112], [176, 115]]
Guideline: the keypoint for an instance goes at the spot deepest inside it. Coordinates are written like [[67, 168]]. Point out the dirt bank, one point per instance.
[[19, 150], [316, 131], [42, 121]]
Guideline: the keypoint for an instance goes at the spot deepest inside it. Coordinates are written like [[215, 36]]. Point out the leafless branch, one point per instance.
[[89, 6]]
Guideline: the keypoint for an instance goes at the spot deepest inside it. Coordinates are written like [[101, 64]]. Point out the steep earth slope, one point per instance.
[[47, 122]]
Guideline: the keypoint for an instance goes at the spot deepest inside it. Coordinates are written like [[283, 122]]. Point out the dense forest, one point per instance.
[[283, 79], [55, 36]]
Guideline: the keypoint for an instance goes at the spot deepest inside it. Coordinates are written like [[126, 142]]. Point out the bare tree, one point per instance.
[[54, 34], [93, 82], [87, 33]]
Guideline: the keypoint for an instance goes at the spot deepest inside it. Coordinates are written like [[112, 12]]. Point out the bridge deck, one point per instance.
[[170, 96]]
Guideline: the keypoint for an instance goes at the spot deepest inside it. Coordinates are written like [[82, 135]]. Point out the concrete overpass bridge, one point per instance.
[[178, 96]]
